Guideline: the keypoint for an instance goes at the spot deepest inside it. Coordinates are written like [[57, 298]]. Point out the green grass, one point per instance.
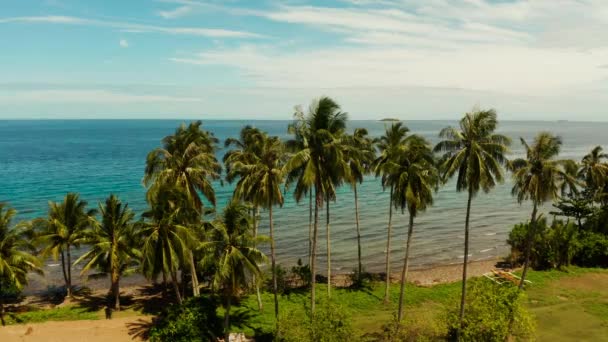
[[66, 313], [569, 305]]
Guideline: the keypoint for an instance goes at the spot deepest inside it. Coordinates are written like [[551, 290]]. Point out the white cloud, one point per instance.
[[132, 27], [176, 13], [87, 96], [123, 43]]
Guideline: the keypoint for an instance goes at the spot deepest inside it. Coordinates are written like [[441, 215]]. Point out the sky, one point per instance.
[[231, 59]]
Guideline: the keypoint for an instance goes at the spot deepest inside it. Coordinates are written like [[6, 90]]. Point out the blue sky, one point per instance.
[[412, 59]]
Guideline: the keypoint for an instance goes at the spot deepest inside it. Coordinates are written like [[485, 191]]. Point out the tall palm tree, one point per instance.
[[167, 244], [417, 179], [360, 154], [594, 171], [229, 249], [114, 245], [65, 228], [261, 176], [186, 161], [323, 166], [302, 188], [245, 151], [386, 165], [16, 255], [540, 177], [476, 154]]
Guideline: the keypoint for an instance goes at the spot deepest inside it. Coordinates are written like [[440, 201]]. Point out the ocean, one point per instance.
[[42, 160]]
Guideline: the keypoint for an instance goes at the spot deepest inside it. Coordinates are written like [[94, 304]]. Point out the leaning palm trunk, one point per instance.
[[529, 241], [65, 274], [313, 259], [388, 249], [176, 286], [406, 264], [360, 268], [194, 277], [256, 214], [328, 237], [273, 261], [465, 264]]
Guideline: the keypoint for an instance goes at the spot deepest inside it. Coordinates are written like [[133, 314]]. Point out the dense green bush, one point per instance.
[[489, 309], [195, 320], [559, 245], [592, 250], [302, 274], [330, 323]]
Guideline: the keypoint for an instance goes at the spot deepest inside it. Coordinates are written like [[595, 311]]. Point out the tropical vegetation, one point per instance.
[[212, 260]]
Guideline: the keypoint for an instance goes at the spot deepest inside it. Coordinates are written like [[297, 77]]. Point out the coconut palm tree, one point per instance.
[[187, 162], [166, 243], [417, 179], [65, 228], [322, 166], [229, 250], [541, 177], [476, 155], [302, 188], [16, 255], [360, 154], [391, 145], [114, 246], [245, 151], [261, 176], [594, 171]]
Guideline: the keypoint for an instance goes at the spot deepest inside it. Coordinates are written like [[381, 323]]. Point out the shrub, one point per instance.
[[302, 273], [489, 310], [195, 320], [592, 250], [330, 323], [540, 254], [281, 275]]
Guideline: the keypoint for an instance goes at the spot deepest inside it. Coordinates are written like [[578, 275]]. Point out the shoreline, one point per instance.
[[426, 276]]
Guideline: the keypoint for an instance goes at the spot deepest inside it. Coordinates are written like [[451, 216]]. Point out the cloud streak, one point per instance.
[[132, 27], [87, 96]]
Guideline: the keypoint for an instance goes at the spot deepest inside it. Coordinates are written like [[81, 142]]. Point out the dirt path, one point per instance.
[[115, 330]]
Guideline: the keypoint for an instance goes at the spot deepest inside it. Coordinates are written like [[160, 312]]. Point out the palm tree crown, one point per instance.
[[186, 161], [65, 227]]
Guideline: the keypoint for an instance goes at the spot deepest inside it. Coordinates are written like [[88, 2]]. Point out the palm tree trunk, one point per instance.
[[176, 286], [69, 267], [2, 306], [406, 264], [273, 261], [195, 288], [2, 311], [313, 259], [328, 237], [465, 264], [227, 317], [360, 268], [256, 214], [310, 227], [164, 284], [116, 292], [388, 249], [529, 241], [65, 275]]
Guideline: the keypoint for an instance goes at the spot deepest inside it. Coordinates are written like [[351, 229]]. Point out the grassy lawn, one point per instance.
[[569, 305]]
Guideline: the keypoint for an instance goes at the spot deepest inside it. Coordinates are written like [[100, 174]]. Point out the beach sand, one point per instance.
[[115, 330]]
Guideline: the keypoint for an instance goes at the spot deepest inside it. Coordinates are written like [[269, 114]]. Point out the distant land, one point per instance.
[[390, 119]]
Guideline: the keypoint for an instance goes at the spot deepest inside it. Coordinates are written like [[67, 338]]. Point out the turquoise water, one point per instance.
[[42, 160]]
